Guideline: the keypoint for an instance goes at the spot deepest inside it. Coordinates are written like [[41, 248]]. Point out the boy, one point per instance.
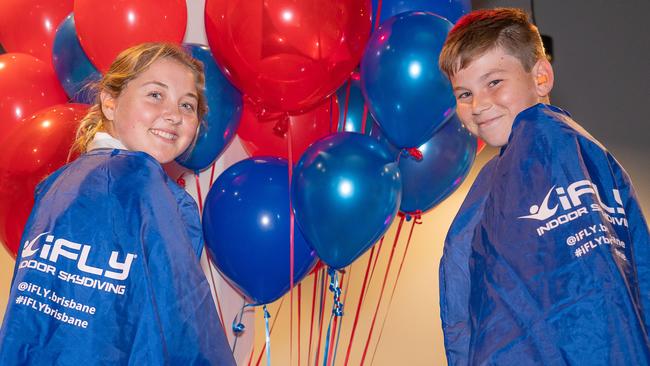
[[548, 260]]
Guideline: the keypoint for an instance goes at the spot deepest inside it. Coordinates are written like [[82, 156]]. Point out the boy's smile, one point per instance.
[[492, 90]]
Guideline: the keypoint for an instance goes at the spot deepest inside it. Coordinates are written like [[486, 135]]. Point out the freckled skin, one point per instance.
[[156, 112], [493, 89]]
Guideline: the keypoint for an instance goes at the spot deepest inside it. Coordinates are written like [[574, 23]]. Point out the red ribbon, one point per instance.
[[356, 315], [381, 292], [313, 306], [399, 271]]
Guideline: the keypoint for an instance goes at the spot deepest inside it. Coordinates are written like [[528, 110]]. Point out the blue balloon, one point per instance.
[[450, 9], [351, 110], [71, 64], [224, 112], [447, 158], [405, 90], [346, 190], [246, 228]]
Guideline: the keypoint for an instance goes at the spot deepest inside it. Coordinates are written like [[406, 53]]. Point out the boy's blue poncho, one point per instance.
[[109, 272], [548, 259]]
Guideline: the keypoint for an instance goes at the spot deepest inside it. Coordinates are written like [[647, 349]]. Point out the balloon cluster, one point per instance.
[[340, 103]]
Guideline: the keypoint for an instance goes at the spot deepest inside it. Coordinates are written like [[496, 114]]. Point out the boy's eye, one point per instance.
[[494, 83], [463, 95]]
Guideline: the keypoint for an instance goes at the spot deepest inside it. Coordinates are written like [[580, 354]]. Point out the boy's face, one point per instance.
[[493, 89]]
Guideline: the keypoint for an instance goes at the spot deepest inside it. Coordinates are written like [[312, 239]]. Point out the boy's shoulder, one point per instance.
[[549, 128]]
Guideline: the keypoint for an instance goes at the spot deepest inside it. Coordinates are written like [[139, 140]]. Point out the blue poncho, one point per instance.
[[109, 272], [548, 259]]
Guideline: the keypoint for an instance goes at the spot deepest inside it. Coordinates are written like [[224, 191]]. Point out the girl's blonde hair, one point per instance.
[[128, 65]]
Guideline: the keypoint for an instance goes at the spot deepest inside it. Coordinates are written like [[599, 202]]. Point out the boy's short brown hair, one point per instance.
[[483, 30]]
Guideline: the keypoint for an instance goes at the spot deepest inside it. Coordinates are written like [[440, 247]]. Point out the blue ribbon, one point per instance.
[[337, 309], [237, 326], [268, 336]]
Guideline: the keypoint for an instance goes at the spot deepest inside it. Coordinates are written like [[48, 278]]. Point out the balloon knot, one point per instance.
[[281, 126], [414, 153], [181, 182], [416, 215], [238, 329]]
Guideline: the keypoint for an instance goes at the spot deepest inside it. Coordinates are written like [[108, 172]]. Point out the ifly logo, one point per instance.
[[52, 250], [571, 199]]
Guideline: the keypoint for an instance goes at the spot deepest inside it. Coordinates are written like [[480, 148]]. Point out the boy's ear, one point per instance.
[[108, 105], [543, 73]]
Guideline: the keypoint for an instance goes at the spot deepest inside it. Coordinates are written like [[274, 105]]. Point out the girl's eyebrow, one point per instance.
[[163, 85]]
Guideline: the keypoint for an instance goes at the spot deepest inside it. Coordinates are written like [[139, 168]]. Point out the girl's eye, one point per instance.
[[188, 107], [494, 83], [155, 95]]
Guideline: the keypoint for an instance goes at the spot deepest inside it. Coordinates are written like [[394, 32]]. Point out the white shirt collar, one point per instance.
[[103, 140]]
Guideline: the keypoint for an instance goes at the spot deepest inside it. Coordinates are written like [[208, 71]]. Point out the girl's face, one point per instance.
[[156, 112]]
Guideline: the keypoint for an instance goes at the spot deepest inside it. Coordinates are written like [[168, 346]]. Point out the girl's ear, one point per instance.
[[543, 73], [108, 105]]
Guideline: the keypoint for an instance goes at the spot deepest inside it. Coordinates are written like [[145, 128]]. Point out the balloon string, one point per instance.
[[198, 193], [214, 165], [327, 340], [291, 243], [381, 292], [268, 335], [259, 358], [237, 326], [365, 117], [377, 15], [390, 299], [250, 357], [338, 334], [347, 103], [216, 294], [321, 314], [332, 114], [214, 286], [313, 306], [299, 305], [331, 353], [374, 264], [356, 315], [337, 311]]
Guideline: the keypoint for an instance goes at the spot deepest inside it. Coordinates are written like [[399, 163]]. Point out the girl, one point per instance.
[[109, 271]]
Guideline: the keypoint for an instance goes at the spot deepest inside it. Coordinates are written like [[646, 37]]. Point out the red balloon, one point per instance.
[[29, 26], [105, 28], [268, 137], [29, 153], [287, 55], [28, 85]]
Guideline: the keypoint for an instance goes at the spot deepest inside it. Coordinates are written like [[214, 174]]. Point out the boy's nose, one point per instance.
[[480, 104]]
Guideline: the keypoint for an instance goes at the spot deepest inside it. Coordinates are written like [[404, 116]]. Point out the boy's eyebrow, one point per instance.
[[489, 73], [482, 77], [190, 94]]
